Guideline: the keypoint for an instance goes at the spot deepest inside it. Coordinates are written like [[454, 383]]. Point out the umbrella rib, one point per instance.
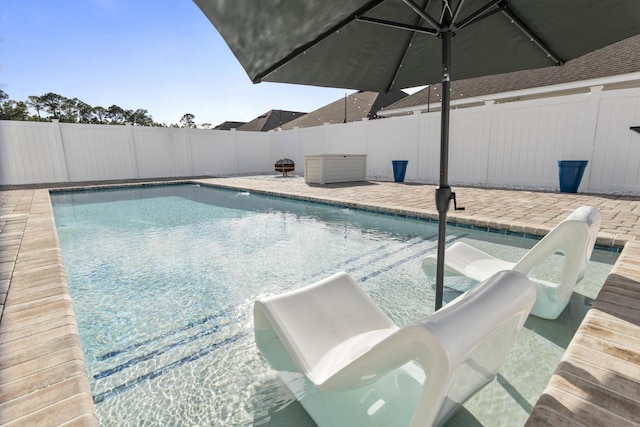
[[404, 55], [478, 14], [413, 28], [503, 7], [398, 25], [424, 15], [532, 36], [457, 11], [298, 51], [397, 68]]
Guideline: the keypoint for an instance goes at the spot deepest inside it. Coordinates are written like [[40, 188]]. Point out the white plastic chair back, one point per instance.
[[344, 344], [574, 237]]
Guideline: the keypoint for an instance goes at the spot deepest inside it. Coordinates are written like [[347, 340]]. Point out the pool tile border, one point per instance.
[[536, 233]]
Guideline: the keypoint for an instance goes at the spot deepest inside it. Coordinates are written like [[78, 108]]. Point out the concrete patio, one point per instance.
[[42, 375]]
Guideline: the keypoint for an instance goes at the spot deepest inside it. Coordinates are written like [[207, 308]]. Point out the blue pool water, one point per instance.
[[163, 279]]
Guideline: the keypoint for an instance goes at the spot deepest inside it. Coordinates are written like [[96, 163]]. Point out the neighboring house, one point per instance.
[[622, 58], [270, 120], [355, 107], [229, 125]]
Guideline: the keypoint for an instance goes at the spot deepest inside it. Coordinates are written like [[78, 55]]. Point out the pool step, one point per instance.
[[143, 363]]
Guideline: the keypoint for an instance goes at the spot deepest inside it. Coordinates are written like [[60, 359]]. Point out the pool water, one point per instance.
[[163, 280]]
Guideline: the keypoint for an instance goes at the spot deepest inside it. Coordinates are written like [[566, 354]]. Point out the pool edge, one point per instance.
[[43, 377], [594, 384]]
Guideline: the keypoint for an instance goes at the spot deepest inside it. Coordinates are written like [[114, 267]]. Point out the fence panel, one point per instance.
[[309, 141], [98, 152], [253, 151], [29, 153], [345, 138], [212, 152], [468, 146], [162, 152], [392, 139], [283, 146], [616, 148], [428, 162], [529, 137]]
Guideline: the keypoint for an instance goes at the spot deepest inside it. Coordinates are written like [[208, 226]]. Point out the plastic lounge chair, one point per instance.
[[574, 237], [348, 364]]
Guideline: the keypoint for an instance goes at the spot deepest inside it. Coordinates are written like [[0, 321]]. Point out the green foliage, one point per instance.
[[72, 110], [53, 104], [187, 121], [12, 110], [36, 103]]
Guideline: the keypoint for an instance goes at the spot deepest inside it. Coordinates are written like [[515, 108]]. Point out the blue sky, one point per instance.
[[163, 55]]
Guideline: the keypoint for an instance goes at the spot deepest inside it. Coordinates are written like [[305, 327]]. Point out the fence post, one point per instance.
[[272, 141], [59, 144], [486, 136], [589, 129], [234, 141], [190, 147], [132, 149], [295, 149], [419, 144]]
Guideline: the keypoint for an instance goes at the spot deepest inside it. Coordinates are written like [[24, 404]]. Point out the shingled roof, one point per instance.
[[616, 59], [270, 120], [359, 105], [228, 125]]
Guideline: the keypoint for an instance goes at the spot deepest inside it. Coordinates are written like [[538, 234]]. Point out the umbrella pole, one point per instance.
[[443, 192]]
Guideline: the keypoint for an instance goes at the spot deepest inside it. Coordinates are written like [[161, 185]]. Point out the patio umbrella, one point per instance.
[[381, 45]]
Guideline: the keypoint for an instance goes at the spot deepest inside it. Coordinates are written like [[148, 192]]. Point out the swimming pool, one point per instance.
[[163, 279]]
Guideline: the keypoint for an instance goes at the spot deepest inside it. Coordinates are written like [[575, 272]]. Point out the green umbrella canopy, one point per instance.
[[334, 43]]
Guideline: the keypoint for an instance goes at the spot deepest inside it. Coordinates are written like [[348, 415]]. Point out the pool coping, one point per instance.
[[43, 377]]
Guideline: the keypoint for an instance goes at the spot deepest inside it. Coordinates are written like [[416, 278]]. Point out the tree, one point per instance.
[[53, 104], [73, 110], [99, 115], [14, 110], [69, 110], [37, 103], [84, 111], [140, 117], [3, 96], [187, 121], [206, 125], [116, 115]]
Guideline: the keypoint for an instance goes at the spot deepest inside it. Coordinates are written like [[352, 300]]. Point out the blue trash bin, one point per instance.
[[571, 172], [399, 169]]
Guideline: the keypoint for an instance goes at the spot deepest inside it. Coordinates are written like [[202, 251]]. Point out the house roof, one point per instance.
[[229, 125], [359, 105], [616, 59], [270, 120]]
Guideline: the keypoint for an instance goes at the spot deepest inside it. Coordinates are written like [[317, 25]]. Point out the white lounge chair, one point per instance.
[[574, 237], [349, 365]]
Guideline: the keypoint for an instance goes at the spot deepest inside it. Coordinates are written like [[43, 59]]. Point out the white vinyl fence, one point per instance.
[[515, 144]]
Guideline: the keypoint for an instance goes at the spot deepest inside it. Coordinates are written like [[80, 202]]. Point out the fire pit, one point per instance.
[[284, 166]]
